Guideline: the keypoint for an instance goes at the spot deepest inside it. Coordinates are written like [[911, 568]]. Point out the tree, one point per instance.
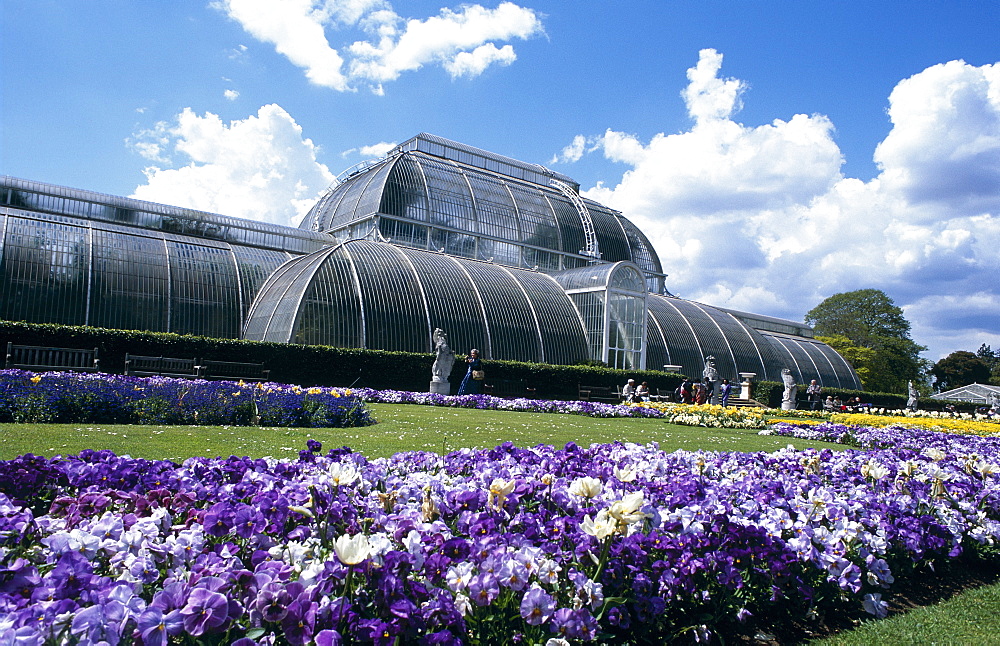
[[865, 316], [861, 359], [991, 358], [959, 369], [869, 320]]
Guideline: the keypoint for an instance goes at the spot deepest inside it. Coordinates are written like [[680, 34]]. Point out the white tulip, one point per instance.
[[352, 550]]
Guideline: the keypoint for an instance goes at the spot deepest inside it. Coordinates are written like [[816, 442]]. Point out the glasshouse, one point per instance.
[[503, 255]]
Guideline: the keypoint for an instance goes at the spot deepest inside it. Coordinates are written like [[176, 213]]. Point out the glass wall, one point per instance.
[[376, 295], [81, 258], [45, 271], [131, 281], [810, 359]]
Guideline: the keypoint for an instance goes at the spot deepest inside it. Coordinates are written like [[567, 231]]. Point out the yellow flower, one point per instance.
[[937, 423], [36, 379], [499, 490]]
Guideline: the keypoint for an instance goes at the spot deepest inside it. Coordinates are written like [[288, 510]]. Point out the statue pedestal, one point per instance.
[[440, 388], [787, 405], [746, 386]]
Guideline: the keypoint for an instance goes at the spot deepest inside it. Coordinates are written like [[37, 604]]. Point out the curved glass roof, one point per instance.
[[83, 258], [474, 204], [375, 295], [684, 333], [40, 197]]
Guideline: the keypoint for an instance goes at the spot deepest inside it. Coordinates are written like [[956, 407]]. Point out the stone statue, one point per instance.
[[711, 377], [911, 402], [444, 357], [791, 390]]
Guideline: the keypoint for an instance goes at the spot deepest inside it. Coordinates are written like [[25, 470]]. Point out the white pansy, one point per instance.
[[872, 469], [343, 474], [935, 454], [499, 490]]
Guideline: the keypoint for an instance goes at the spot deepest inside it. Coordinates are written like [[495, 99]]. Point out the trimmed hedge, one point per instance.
[[321, 365], [308, 365]]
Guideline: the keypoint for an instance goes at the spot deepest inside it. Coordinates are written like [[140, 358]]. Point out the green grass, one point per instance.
[[400, 428], [971, 617], [968, 618]]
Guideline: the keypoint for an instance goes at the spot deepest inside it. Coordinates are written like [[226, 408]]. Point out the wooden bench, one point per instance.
[[234, 371], [509, 389], [604, 394], [143, 366], [41, 358], [660, 395]]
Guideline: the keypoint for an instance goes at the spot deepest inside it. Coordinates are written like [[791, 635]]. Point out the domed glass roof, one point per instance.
[[432, 193]]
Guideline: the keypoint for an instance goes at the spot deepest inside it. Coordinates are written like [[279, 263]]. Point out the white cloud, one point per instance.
[[463, 41], [474, 63], [707, 96], [575, 151], [295, 28], [231, 95], [259, 168], [372, 151], [945, 144], [949, 322], [376, 150], [760, 218]]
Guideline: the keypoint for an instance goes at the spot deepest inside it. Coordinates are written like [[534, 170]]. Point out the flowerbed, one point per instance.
[[980, 426], [616, 543], [709, 415], [103, 398]]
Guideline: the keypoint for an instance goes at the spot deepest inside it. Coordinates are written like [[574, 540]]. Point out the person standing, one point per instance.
[[814, 395], [686, 391], [700, 392], [725, 390], [472, 383], [911, 390]]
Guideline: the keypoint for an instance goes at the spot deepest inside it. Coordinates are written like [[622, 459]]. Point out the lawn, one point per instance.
[[401, 427]]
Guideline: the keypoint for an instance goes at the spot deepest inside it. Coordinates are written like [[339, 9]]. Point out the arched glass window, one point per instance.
[[626, 318]]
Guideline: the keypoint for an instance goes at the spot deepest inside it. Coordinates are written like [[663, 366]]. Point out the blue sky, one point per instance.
[[776, 152]]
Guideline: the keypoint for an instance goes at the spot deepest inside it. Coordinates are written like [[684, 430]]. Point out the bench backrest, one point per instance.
[[233, 369], [35, 356], [141, 363]]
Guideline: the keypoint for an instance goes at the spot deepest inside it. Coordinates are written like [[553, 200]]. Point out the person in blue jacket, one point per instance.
[[472, 383]]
